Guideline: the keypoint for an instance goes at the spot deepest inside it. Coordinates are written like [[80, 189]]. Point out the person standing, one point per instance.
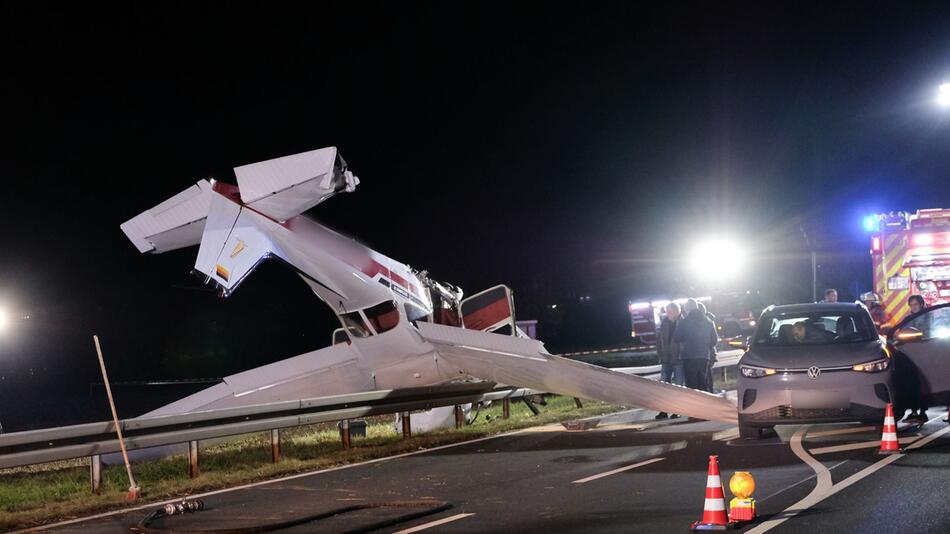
[[712, 351], [668, 351], [696, 335], [918, 412], [831, 295]]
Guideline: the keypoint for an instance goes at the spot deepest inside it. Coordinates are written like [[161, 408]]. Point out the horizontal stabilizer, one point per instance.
[[176, 223], [284, 187]]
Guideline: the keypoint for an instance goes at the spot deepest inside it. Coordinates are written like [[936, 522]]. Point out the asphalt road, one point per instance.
[[627, 474]]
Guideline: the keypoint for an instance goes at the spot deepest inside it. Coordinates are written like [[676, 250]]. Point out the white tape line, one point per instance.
[[615, 471], [443, 521], [840, 431], [862, 445]]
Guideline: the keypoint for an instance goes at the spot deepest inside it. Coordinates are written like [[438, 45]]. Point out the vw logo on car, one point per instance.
[[813, 372]]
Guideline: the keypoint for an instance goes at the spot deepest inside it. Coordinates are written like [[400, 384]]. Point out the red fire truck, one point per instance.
[[910, 254]]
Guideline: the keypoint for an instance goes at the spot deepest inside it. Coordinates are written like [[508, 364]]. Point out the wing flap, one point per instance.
[[525, 363]]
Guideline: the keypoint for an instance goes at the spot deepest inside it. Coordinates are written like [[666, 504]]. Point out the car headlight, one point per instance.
[[755, 372], [873, 367]]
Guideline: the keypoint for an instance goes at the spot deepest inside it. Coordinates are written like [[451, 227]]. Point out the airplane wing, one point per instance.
[[525, 363]]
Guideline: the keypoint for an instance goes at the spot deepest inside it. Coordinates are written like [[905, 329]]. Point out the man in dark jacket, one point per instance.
[[712, 352], [696, 336], [671, 367]]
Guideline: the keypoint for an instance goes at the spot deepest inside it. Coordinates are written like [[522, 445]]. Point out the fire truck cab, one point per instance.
[[910, 254]]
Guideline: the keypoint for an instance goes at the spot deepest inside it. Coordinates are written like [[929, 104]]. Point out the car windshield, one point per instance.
[[816, 328]]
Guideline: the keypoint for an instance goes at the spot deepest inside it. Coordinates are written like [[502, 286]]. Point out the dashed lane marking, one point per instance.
[[619, 470], [442, 521]]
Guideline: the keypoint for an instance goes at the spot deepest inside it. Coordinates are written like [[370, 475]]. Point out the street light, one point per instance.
[[717, 259], [943, 95]]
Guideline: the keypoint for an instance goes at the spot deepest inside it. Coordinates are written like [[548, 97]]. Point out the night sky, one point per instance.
[[564, 149]]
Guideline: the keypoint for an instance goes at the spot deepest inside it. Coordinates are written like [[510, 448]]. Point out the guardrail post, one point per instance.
[[345, 433], [406, 425], [506, 408], [459, 416], [95, 473], [275, 445], [193, 459], [578, 403], [724, 377]]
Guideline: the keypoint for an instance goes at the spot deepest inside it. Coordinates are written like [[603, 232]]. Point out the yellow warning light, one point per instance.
[[742, 508], [742, 484]]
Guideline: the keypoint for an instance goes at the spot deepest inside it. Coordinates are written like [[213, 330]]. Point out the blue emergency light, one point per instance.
[[870, 223]]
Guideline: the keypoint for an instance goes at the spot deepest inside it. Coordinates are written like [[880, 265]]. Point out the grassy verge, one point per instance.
[[50, 492]]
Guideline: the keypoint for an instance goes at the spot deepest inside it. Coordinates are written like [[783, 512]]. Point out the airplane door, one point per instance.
[[925, 341], [492, 310]]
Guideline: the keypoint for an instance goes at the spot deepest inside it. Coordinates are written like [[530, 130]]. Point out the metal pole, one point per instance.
[[193, 470], [459, 416], [345, 433], [95, 473], [814, 276], [275, 445], [406, 425]]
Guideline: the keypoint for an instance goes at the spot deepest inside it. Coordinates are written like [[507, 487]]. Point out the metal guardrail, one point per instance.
[[94, 439]]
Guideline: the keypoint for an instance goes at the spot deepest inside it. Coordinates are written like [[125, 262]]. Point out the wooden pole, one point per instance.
[[133, 488]]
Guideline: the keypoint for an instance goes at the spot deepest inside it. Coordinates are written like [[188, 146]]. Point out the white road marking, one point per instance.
[[159, 504], [814, 497], [840, 431], [861, 445], [620, 470], [443, 521]]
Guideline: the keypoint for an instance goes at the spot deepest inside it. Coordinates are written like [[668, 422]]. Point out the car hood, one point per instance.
[[804, 356]]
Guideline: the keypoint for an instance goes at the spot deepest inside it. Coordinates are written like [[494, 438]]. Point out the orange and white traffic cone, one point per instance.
[[889, 443], [714, 510]]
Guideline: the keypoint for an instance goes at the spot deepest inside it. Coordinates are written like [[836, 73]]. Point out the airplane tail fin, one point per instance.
[[231, 222]]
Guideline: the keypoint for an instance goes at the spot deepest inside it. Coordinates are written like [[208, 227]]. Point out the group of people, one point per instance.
[[686, 346]]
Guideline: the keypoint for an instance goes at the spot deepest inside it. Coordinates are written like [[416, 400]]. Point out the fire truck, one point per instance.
[[910, 254]]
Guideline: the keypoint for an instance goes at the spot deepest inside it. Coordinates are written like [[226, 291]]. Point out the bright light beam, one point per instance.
[[4, 319], [717, 259], [943, 95]]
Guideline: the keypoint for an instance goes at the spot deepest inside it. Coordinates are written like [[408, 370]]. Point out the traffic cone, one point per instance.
[[889, 443], [714, 510]]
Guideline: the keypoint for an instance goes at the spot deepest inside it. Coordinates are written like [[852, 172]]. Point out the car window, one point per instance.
[[815, 329], [935, 323]]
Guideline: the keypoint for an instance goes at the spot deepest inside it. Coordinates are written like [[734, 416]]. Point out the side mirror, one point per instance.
[[906, 334]]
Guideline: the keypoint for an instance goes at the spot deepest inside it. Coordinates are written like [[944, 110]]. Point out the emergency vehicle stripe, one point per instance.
[[895, 255]]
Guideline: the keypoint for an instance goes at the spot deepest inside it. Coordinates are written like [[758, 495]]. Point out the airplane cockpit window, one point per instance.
[[354, 324], [383, 316]]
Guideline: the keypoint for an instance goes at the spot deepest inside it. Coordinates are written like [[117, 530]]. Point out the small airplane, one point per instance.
[[400, 328]]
